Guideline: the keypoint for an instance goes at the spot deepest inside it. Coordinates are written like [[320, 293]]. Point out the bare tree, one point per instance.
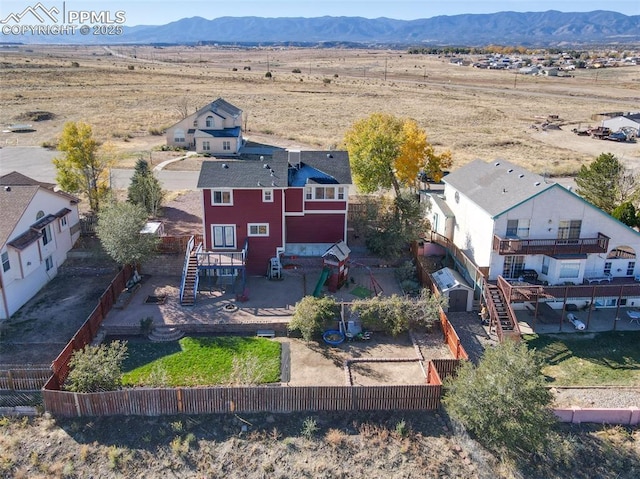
[[183, 106]]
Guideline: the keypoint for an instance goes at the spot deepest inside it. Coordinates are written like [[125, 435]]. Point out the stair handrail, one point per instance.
[[197, 278], [505, 287], [186, 265]]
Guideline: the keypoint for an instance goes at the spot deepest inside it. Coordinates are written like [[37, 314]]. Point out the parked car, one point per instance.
[[617, 136]]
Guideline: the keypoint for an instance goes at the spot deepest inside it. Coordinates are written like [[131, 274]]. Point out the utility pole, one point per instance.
[[385, 69]]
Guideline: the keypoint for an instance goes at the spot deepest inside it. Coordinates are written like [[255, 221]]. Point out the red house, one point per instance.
[[294, 202]]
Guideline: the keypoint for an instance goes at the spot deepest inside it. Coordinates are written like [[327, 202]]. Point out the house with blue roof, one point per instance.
[[294, 202], [215, 129]]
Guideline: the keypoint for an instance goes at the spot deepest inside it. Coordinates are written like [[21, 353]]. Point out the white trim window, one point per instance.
[[267, 196], [6, 265], [569, 269], [206, 146], [226, 145], [258, 229], [48, 263], [324, 193], [46, 235], [63, 222], [222, 197], [223, 236], [209, 122]]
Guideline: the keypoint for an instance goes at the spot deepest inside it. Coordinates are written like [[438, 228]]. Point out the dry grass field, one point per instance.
[[126, 92]]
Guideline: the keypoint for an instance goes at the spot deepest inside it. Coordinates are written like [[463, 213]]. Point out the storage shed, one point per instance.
[[452, 285]]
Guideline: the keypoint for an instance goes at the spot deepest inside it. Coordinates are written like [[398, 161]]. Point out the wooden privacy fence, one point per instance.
[[88, 330], [211, 400], [176, 244], [23, 378]]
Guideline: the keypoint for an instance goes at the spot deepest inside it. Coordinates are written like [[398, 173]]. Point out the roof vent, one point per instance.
[[537, 183], [7, 188], [497, 163], [521, 175], [329, 155], [273, 183], [259, 184], [510, 170], [261, 158], [225, 166], [265, 166], [504, 190]]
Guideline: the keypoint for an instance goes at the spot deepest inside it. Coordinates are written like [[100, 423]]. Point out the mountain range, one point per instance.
[[507, 28]]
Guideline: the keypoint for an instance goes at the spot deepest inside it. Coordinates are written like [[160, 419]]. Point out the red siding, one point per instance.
[[293, 200], [315, 228], [325, 205], [248, 208]]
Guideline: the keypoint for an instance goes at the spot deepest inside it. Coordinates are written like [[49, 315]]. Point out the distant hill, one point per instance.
[[507, 28]]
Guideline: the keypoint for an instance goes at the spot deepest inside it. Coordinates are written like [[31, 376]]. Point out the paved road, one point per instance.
[[36, 163]]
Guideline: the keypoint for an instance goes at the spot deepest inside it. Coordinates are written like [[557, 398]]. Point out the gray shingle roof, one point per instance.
[[14, 200], [219, 107], [18, 179], [243, 174], [333, 169], [496, 187]]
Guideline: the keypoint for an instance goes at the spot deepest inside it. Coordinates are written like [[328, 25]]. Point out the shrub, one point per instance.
[[509, 383], [296, 70], [309, 427], [130, 67], [154, 131], [146, 325], [97, 368], [326, 81], [310, 315], [268, 75], [75, 64]]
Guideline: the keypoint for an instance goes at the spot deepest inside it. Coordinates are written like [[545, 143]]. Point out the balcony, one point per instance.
[[551, 247]]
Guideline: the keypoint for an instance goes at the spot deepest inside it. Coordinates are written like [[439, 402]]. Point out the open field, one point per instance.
[[125, 92]]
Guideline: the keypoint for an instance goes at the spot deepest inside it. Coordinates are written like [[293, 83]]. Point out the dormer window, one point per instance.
[[209, 122]]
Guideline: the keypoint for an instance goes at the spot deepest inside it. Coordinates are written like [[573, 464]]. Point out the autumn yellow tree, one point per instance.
[[388, 152], [83, 168]]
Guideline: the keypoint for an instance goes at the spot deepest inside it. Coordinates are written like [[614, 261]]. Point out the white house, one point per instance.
[[215, 129], [514, 223], [38, 227]]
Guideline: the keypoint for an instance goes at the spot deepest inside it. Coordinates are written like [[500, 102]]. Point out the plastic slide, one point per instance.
[[323, 277]]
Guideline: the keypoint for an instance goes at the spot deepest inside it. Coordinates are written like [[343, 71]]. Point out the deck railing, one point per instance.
[[551, 246]]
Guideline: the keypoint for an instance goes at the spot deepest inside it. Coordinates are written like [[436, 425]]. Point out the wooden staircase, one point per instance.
[[502, 316], [189, 286]]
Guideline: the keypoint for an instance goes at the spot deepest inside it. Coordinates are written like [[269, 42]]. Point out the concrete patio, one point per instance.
[[269, 303], [604, 319]]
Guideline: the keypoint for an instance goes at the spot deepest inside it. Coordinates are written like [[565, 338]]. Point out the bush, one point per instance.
[[268, 75], [154, 131], [130, 67], [296, 70], [310, 315], [97, 368], [503, 401], [309, 427], [75, 64], [326, 81]]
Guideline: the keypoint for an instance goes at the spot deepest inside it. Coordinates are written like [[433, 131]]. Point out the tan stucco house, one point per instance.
[[215, 129]]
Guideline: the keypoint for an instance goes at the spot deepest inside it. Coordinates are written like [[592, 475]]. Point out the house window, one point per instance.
[[545, 265], [258, 229], [209, 122], [222, 197], [178, 136], [324, 193], [569, 269], [569, 229], [206, 146], [518, 228], [226, 145], [607, 267], [6, 265], [631, 265], [267, 196], [63, 222], [224, 236], [513, 266], [195, 123], [48, 263], [39, 214], [46, 235]]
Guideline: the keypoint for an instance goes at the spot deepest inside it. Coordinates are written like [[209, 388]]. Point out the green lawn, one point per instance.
[[202, 361], [589, 359]]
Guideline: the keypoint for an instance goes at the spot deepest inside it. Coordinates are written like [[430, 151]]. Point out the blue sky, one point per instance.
[[154, 12]]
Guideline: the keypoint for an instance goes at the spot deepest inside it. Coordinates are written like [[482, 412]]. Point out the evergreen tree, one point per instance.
[[145, 189]]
